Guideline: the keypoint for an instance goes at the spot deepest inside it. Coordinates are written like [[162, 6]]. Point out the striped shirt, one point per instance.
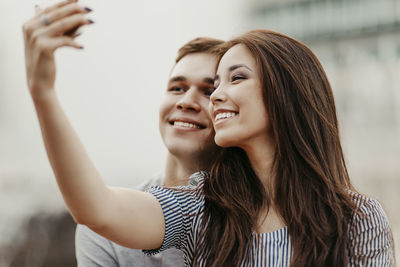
[[371, 242]]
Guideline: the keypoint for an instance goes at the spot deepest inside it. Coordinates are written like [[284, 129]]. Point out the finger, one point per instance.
[[37, 9], [66, 24], [66, 11], [51, 44], [32, 25], [29, 26], [54, 7], [64, 42], [73, 33]]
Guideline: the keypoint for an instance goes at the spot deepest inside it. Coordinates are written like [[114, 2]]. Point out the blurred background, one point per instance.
[[111, 91]]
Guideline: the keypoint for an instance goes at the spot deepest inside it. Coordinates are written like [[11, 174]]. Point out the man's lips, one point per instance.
[[186, 123]]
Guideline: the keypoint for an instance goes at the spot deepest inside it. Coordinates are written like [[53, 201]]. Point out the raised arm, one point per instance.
[[130, 218]]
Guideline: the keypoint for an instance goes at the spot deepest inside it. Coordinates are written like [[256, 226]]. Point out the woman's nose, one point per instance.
[[217, 96]]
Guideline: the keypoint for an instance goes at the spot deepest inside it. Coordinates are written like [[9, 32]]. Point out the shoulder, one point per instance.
[[157, 179], [369, 212], [370, 236], [182, 207], [196, 180], [92, 249], [95, 250], [193, 189], [185, 200], [87, 237]]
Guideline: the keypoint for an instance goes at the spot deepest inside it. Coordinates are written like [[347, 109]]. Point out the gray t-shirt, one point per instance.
[[94, 250]]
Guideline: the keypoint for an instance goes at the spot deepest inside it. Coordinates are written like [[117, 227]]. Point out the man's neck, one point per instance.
[[178, 171]]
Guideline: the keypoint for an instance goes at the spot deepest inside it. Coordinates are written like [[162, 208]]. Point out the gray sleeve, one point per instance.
[[92, 249]]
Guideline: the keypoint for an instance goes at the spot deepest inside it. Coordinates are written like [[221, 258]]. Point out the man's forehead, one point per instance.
[[197, 65]]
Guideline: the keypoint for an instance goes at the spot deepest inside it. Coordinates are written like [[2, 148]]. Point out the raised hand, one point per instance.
[[106, 210], [48, 30]]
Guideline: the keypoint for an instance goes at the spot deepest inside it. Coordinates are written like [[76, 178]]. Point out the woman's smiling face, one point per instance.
[[237, 107]]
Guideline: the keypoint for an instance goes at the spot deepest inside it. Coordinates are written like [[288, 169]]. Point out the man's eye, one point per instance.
[[209, 91], [176, 89]]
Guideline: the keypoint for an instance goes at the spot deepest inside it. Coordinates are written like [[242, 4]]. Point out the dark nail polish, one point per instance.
[[88, 9], [90, 21]]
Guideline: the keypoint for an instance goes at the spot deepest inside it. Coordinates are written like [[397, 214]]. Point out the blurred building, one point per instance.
[[358, 43]]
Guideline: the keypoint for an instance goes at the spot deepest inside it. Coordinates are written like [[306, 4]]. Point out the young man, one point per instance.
[[188, 134]]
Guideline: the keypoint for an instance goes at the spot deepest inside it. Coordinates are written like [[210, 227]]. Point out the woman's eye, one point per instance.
[[237, 77]]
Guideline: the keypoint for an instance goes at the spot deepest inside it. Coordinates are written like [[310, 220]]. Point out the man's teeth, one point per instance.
[[224, 115], [186, 124]]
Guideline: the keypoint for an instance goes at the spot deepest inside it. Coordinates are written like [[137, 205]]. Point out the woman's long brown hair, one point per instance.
[[310, 188]]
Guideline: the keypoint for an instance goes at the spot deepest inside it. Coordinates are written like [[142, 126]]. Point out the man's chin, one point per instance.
[[190, 148]]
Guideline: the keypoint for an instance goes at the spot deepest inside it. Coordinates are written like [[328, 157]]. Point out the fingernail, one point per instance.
[[88, 9], [90, 21]]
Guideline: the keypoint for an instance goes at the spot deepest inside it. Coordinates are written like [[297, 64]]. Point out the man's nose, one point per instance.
[[189, 101]]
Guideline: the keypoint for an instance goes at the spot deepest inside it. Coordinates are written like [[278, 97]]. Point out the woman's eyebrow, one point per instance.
[[234, 67]]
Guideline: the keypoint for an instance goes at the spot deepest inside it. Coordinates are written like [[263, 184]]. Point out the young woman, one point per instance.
[[277, 195]]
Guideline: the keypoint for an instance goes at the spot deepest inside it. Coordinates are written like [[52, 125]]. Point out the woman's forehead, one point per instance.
[[237, 55]]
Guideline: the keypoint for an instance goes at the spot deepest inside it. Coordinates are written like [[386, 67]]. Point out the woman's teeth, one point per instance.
[[224, 115]]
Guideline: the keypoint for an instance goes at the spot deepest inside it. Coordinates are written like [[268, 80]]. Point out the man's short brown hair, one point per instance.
[[199, 45]]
